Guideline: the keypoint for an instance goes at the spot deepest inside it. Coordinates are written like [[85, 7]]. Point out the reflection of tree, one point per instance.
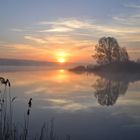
[[108, 91]]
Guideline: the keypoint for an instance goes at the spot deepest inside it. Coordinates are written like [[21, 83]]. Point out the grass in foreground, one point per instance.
[[9, 130]]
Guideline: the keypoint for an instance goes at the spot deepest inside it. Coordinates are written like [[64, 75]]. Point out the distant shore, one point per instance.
[[128, 67]]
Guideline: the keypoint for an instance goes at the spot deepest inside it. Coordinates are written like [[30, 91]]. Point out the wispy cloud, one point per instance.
[[65, 25], [51, 31], [79, 35], [22, 51], [132, 5], [17, 30], [37, 40], [58, 29], [71, 23], [58, 40], [133, 20], [91, 26]]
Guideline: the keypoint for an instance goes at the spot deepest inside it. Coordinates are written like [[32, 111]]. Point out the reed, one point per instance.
[[10, 130]]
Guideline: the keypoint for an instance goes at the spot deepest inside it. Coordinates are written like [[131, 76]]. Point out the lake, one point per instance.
[[82, 105]]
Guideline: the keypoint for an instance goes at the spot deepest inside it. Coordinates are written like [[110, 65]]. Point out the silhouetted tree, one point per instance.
[[108, 50], [123, 55], [108, 91]]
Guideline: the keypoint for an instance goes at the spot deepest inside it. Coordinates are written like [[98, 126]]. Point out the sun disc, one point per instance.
[[61, 60]]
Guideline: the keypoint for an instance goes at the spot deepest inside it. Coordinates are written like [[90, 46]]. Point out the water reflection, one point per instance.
[[70, 91], [58, 76], [69, 98], [109, 86], [107, 91]]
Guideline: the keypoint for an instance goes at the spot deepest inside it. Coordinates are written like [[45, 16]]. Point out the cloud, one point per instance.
[[61, 31], [71, 23], [23, 51], [132, 6], [37, 40], [58, 29], [58, 40], [133, 20], [90, 27], [17, 30], [79, 35], [83, 47], [65, 25], [82, 34]]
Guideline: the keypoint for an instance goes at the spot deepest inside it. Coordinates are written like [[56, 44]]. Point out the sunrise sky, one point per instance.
[[66, 30]]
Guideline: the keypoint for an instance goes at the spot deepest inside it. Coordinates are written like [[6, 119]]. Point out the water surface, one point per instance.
[[85, 106]]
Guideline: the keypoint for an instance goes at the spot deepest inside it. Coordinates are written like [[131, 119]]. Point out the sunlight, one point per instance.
[[61, 60], [61, 56], [61, 76], [61, 70]]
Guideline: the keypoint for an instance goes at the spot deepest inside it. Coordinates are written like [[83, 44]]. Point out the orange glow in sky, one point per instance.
[[61, 60], [67, 37], [61, 56]]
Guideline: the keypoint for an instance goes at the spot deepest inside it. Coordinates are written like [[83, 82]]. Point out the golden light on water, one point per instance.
[[61, 70], [61, 76]]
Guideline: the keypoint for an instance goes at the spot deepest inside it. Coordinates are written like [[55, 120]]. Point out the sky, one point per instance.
[[66, 30]]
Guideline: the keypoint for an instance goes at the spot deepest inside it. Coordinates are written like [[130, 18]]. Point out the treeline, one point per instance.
[[110, 57], [128, 67]]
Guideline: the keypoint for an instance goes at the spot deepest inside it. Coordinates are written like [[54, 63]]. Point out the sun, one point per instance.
[[61, 56], [61, 60]]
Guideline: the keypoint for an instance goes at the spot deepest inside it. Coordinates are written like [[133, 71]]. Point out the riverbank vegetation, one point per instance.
[[110, 57], [11, 130]]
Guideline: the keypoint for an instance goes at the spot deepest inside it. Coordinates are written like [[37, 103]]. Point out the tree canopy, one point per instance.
[[108, 50]]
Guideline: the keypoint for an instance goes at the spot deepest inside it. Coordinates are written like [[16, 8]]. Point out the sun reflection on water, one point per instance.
[[61, 70], [61, 76]]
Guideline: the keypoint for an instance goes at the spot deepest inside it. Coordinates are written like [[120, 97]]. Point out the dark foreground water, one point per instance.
[[85, 106]]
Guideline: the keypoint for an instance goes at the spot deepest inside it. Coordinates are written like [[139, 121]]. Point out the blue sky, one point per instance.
[[47, 27]]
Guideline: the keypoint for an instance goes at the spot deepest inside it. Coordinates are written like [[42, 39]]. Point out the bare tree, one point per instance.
[[108, 50]]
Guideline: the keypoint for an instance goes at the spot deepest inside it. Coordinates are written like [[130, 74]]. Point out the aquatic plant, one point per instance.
[[9, 130]]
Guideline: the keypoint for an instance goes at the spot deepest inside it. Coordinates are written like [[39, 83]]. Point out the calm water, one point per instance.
[[85, 106]]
